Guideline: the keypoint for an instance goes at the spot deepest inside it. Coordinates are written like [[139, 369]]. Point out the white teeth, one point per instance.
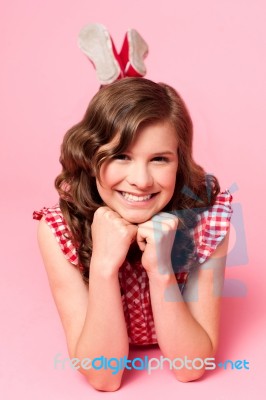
[[132, 197]]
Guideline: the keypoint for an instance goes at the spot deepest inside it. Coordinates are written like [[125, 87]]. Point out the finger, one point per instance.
[[101, 210], [106, 212], [145, 235], [133, 229], [141, 242], [113, 215], [147, 229], [153, 227], [166, 219], [164, 214]]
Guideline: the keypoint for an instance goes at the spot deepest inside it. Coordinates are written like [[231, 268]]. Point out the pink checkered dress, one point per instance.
[[210, 230]]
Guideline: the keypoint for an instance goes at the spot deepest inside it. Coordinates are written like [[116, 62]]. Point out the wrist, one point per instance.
[[165, 286], [103, 269], [160, 268], [166, 277]]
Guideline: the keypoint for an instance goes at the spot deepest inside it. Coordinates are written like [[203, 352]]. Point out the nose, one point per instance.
[[140, 176]]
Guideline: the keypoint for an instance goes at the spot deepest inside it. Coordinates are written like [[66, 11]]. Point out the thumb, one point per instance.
[[141, 241], [133, 232]]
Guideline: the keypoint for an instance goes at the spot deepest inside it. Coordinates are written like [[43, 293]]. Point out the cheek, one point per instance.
[[168, 180], [110, 175]]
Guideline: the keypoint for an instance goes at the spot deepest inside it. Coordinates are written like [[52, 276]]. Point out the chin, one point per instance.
[[138, 219]]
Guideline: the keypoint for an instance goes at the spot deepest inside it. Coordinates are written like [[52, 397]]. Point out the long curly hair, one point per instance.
[[120, 110]]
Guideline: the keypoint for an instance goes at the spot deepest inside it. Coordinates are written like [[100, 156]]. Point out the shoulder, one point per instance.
[[51, 214], [54, 218], [212, 226]]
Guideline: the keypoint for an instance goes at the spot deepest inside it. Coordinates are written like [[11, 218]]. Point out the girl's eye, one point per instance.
[[160, 159], [121, 157]]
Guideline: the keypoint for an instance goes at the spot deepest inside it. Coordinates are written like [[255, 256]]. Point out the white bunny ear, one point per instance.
[[95, 41], [134, 51]]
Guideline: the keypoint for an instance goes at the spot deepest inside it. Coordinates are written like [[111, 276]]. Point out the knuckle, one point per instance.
[[174, 222], [100, 211], [123, 231]]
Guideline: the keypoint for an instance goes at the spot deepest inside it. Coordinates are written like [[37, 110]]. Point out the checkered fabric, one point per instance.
[[212, 226], [134, 284], [210, 230], [54, 218]]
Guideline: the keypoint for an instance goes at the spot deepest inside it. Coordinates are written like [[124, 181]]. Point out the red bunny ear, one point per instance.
[[133, 53], [95, 41]]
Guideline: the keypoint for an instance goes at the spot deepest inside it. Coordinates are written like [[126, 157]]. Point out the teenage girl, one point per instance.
[[135, 251]]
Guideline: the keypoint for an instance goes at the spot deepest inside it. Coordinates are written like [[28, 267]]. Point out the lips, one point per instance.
[[136, 198]]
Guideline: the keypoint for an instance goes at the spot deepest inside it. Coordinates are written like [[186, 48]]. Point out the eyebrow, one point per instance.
[[159, 153], [163, 153]]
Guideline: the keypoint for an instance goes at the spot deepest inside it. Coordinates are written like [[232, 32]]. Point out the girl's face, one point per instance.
[[140, 182]]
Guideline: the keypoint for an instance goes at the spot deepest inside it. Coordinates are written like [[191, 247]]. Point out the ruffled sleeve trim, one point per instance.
[[212, 227], [55, 220]]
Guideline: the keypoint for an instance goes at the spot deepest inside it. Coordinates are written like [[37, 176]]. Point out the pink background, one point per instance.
[[213, 52]]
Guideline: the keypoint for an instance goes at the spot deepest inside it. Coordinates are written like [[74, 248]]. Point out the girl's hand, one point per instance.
[[155, 238], [111, 238]]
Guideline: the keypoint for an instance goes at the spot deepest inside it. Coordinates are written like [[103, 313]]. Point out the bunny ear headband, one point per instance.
[[95, 41]]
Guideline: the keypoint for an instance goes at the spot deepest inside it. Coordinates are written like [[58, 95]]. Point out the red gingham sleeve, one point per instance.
[[55, 220], [212, 226]]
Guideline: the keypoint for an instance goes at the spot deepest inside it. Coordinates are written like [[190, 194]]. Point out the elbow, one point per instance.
[[104, 380], [104, 385], [189, 376]]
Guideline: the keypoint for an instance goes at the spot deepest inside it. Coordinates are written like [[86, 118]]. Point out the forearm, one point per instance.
[[178, 333], [104, 332]]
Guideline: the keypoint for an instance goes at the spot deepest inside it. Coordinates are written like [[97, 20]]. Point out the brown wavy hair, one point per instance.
[[120, 110]]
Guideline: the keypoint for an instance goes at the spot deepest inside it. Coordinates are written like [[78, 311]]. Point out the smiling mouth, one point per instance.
[[133, 197]]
